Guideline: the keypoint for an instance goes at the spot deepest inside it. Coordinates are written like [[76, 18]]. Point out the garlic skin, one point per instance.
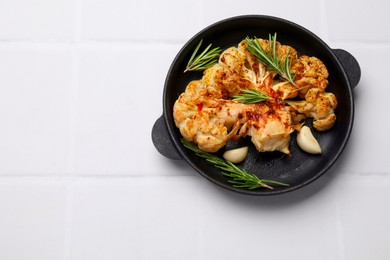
[[236, 155], [307, 142]]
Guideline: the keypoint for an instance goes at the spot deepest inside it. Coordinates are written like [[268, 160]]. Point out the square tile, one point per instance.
[[364, 216], [365, 21], [35, 109], [37, 20], [298, 225], [305, 13], [170, 20], [119, 99], [136, 218], [33, 219]]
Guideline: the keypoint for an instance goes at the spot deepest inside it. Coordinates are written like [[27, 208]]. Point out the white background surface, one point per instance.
[[81, 86]]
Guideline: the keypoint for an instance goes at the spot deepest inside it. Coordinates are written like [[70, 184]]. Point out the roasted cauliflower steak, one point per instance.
[[206, 114]]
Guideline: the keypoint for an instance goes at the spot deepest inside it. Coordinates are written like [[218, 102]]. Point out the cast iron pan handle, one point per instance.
[[162, 140], [350, 65]]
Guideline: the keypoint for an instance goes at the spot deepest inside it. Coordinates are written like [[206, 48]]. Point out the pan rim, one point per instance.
[[181, 150]]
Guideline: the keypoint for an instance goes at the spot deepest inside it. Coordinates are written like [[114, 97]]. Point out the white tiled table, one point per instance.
[[80, 178]]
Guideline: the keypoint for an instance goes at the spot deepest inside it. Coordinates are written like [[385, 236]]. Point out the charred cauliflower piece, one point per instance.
[[253, 64], [318, 105], [230, 74], [211, 126], [196, 114], [269, 128], [285, 90], [264, 76], [310, 73]]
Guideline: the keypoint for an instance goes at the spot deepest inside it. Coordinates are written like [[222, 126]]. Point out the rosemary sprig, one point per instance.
[[251, 96], [239, 178], [270, 58], [204, 60]]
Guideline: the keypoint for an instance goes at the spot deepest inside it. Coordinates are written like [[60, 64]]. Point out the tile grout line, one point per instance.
[[201, 228], [339, 229], [131, 43], [74, 88], [68, 222], [97, 42], [74, 98], [324, 21], [73, 176], [74, 91], [201, 17]]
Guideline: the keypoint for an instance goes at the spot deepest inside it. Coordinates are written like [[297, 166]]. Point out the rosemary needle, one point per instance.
[[238, 178], [251, 96], [204, 60]]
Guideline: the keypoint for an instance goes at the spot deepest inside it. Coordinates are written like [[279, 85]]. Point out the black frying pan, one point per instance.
[[298, 169]]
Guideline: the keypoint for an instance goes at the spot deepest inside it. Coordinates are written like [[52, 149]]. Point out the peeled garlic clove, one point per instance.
[[236, 155], [307, 142]]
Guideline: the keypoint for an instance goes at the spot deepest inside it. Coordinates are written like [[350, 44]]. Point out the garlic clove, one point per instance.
[[307, 141], [236, 155]]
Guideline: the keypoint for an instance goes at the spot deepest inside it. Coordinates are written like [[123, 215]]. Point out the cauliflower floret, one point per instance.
[[310, 73], [283, 50], [285, 90], [318, 105], [209, 134], [234, 60], [253, 64], [204, 118], [259, 69], [269, 127], [274, 136], [230, 74]]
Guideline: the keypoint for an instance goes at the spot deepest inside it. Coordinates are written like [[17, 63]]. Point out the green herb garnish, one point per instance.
[[270, 58], [251, 96], [204, 60], [239, 178]]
